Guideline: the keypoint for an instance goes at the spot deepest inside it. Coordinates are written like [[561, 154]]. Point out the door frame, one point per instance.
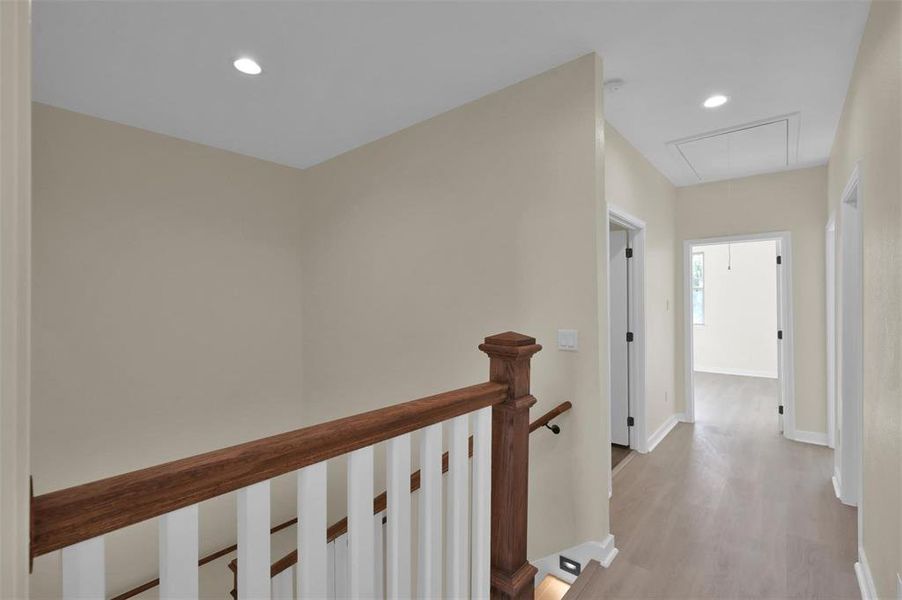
[[785, 351], [830, 289], [851, 415], [637, 351]]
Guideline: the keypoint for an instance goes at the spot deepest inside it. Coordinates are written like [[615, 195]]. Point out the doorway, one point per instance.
[[626, 327], [737, 315]]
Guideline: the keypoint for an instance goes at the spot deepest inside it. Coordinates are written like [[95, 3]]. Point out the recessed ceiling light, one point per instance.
[[248, 66], [715, 101]]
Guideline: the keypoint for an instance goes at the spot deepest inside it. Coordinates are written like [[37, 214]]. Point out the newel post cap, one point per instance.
[[510, 344]]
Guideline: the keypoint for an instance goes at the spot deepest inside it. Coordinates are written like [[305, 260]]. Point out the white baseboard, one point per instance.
[[603, 551], [836, 488], [662, 431], [809, 437], [865, 580], [739, 372]]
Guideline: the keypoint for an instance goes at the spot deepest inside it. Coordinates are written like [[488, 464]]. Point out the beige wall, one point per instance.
[[166, 313], [634, 185], [15, 260], [740, 310], [169, 297], [480, 220], [790, 201], [869, 133]]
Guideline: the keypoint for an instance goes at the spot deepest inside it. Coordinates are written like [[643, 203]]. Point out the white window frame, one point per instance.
[[698, 288]]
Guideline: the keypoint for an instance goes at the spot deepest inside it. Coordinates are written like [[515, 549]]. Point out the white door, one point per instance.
[[619, 310]]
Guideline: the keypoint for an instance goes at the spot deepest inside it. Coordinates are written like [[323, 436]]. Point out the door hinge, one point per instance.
[[779, 334], [629, 252], [629, 336], [780, 409], [779, 260], [630, 422]]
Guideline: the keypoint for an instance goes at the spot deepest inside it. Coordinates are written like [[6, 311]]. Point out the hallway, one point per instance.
[[729, 508]]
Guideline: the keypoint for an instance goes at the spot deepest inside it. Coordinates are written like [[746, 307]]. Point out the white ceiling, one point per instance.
[[338, 75]]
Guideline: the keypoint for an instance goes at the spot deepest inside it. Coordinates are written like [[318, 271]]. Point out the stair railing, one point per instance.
[[488, 558], [340, 528]]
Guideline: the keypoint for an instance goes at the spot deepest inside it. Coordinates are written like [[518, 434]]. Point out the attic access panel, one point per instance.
[[759, 147]]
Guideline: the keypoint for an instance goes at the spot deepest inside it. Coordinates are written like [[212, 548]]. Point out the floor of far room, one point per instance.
[[727, 507]]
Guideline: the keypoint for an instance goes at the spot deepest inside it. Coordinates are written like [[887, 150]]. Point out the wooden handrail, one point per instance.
[[79, 513], [550, 416], [339, 527], [65, 517], [379, 502]]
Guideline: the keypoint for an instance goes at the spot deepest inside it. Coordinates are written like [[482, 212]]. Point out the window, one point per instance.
[[698, 288]]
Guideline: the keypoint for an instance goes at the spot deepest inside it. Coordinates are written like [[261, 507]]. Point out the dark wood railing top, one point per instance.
[[550, 416], [79, 513]]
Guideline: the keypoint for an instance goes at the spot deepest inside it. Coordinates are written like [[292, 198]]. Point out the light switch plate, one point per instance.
[[568, 339]]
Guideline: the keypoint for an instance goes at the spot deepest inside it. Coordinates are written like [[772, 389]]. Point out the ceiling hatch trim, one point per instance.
[[762, 146]]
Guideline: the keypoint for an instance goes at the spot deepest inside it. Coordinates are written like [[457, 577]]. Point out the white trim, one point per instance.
[[836, 491], [786, 355], [810, 437], [851, 367], [737, 372], [665, 428], [830, 300], [899, 586], [865, 579], [604, 552]]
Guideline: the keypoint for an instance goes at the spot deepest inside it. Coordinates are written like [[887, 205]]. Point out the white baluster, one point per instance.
[[253, 542], [457, 521], [330, 570], [360, 523], [283, 585], [379, 556], [312, 562], [179, 553], [84, 571], [341, 567], [481, 567], [398, 514], [429, 581]]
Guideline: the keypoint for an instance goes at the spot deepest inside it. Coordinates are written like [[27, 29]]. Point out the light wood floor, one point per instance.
[[618, 453], [728, 508]]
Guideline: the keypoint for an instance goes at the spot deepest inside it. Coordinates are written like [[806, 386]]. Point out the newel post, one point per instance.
[[509, 354]]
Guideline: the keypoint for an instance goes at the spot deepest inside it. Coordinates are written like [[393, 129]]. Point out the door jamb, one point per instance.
[[830, 299], [786, 360]]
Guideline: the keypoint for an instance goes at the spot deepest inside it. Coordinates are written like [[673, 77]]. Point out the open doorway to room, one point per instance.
[[739, 335], [626, 315]]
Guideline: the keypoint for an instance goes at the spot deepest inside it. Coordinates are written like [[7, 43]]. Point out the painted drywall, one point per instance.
[[791, 201], [634, 185], [738, 336], [15, 282], [171, 280], [487, 218], [869, 134], [166, 315]]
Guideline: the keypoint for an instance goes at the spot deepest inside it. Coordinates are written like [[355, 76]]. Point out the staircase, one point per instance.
[[483, 554]]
